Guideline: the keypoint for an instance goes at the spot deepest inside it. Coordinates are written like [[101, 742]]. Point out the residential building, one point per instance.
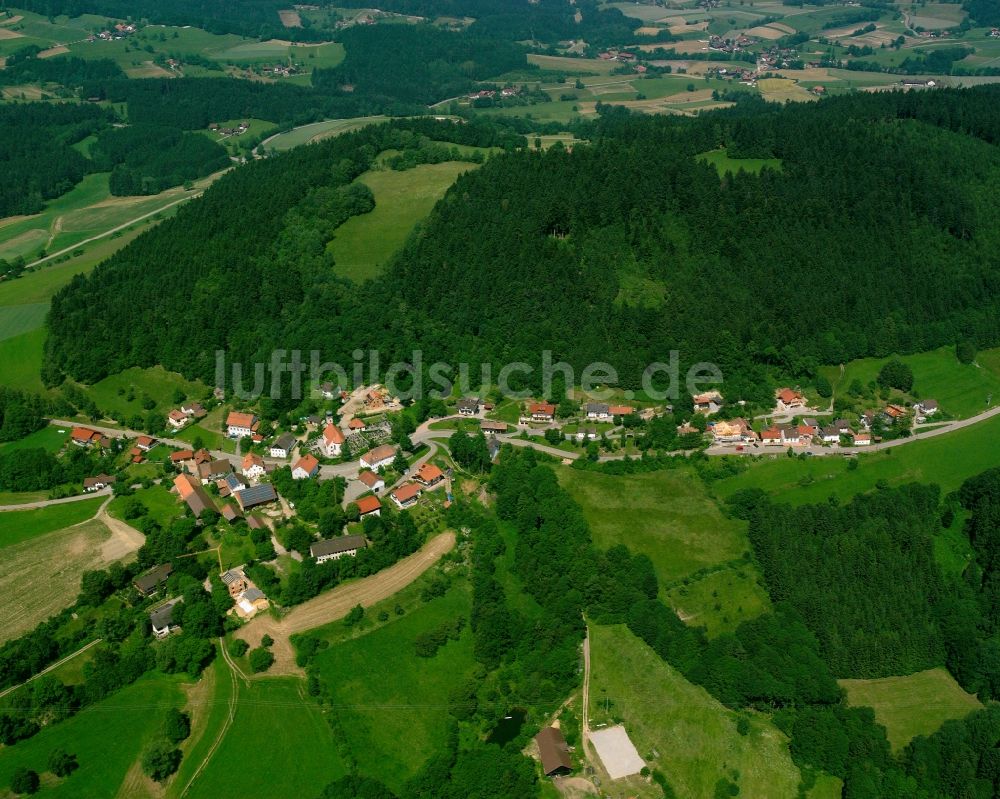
[[379, 457], [214, 470], [177, 419], [239, 425], [97, 482], [84, 436], [406, 496], [927, 407], [468, 406], [597, 410], [372, 481], [729, 432], [182, 455], [251, 600], [232, 483], [862, 439], [192, 492], [708, 403], [830, 434], [553, 752], [162, 618], [356, 424], [490, 427], [542, 412], [842, 425], [149, 583], [282, 446], [333, 440], [194, 409], [789, 398], [429, 475], [328, 390], [256, 495], [335, 548], [253, 466], [369, 506], [771, 436], [230, 514], [307, 466]]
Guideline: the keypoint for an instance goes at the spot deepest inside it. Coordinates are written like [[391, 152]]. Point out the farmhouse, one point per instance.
[[253, 466], [378, 457], [97, 482], [597, 410], [335, 548], [468, 406], [493, 428], [542, 412], [180, 456], [429, 475], [84, 436], [406, 496], [148, 583], [256, 495], [282, 446], [333, 440], [369, 506], [162, 619], [306, 467], [239, 425], [230, 484], [372, 481], [214, 470], [708, 403], [191, 491], [230, 514], [553, 751]]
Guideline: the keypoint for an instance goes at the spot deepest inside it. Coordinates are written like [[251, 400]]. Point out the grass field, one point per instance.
[[947, 460], [24, 525], [161, 505], [112, 393], [107, 739], [318, 131], [279, 744], [721, 600], [388, 694], [50, 438], [16, 320], [917, 704], [678, 727], [363, 244], [723, 163], [21, 357], [960, 389]]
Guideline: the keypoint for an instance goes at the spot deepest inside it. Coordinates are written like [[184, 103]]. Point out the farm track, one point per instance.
[[335, 604]]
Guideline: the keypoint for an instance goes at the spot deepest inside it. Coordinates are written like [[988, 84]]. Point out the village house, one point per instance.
[[708, 403], [369, 506], [553, 752], [201, 456], [729, 432], [927, 407], [378, 458], [372, 481], [282, 446], [588, 433], [789, 398], [862, 439], [328, 390], [429, 475], [333, 441], [181, 456], [490, 427], [306, 467], [771, 436], [97, 482], [250, 601], [191, 491], [867, 419], [230, 514], [230, 484], [542, 412], [84, 436], [356, 424], [830, 434], [194, 409], [240, 425], [334, 548], [807, 432], [597, 410], [214, 470], [468, 406], [406, 496], [176, 419], [145, 443], [895, 411], [149, 583], [255, 495], [162, 618], [253, 466]]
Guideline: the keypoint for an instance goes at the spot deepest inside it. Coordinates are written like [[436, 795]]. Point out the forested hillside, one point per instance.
[[877, 234]]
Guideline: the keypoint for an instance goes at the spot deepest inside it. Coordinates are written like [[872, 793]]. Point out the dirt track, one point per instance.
[[335, 604]]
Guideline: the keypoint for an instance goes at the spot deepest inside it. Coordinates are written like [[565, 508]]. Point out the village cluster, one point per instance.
[[120, 30]]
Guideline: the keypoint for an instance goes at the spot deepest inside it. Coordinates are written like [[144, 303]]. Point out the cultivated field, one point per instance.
[[364, 244], [678, 727], [914, 705], [335, 604]]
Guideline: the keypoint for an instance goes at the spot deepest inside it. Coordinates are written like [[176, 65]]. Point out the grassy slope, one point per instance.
[[107, 739], [278, 745], [913, 705], [155, 383], [693, 737], [388, 695], [163, 506], [364, 243], [49, 438], [23, 525], [668, 516]]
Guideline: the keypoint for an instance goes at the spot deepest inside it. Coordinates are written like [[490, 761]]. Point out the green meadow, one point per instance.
[[160, 504], [125, 392], [678, 727], [917, 704], [107, 738], [723, 163], [50, 438], [22, 525], [318, 131], [384, 694], [364, 244]]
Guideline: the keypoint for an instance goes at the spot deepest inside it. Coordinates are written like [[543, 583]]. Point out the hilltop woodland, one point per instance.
[[880, 213]]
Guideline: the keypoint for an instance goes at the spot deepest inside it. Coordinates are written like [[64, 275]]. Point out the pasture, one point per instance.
[[278, 743], [384, 693], [21, 357], [917, 704], [125, 392], [50, 438], [107, 738], [721, 600], [723, 163], [364, 244], [18, 319], [678, 727]]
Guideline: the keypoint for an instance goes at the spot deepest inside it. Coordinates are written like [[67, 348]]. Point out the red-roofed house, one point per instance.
[[789, 398], [333, 439], [84, 436], [369, 506], [145, 443], [180, 456], [176, 419], [356, 424], [306, 467], [253, 466], [239, 424], [542, 412], [406, 495], [372, 481], [429, 475]]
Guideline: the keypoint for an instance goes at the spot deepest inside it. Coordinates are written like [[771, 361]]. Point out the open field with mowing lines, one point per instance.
[[694, 736], [386, 694], [107, 739], [364, 244], [917, 704]]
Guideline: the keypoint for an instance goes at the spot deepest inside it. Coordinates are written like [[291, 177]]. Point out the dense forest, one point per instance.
[[878, 213], [37, 160]]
